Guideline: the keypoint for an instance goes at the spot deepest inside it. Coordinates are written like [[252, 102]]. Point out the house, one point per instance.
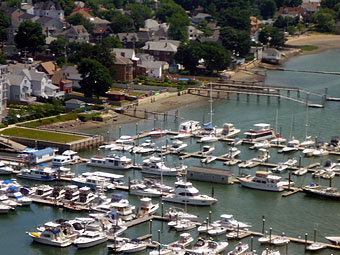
[[151, 24], [255, 24], [49, 9], [149, 67], [74, 104], [163, 50], [311, 8], [83, 12], [42, 156], [115, 96], [77, 34], [50, 26], [292, 12], [128, 40], [14, 14], [20, 89], [71, 73], [200, 17], [59, 80], [27, 16], [194, 33], [4, 73], [28, 8], [100, 33], [130, 54], [98, 22], [47, 67], [124, 69], [271, 55]]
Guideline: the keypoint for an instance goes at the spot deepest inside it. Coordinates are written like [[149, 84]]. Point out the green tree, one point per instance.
[[273, 36], [329, 3], [139, 13], [5, 22], [58, 46], [216, 58], [96, 79], [291, 30], [300, 27], [13, 3], [169, 9], [236, 18], [325, 20], [235, 40], [2, 59], [203, 26], [268, 8], [284, 22], [122, 24], [78, 19], [288, 3], [30, 36], [178, 29], [188, 54], [112, 42]]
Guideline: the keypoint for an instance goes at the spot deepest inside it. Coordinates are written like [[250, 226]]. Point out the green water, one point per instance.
[[294, 215]]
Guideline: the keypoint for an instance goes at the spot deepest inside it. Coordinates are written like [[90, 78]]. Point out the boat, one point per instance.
[[174, 214], [322, 191], [280, 168], [42, 191], [308, 142], [301, 171], [63, 172], [155, 165], [217, 247], [320, 152], [177, 146], [211, 138], [229, 131], [262, 157], [92, 181], [4, 200], [204, 227], [280, 240], [189, 126], [66, 158], [181, 136], [316, 246], [185, 239], [228, 221], [140, 189], [328, 174], [216, 229], [135, 245], [236, 142], [53, 235], [206, 150], [85, 196], [234, 234], [184, 225], [233, 153], [290, 162], [40, 174], [186, 193], [308, 152], [5, 169], [292, 145], [111, 162], [146, 147], [71, 194], [263, 181], [5, 208], [90, 238], [262, 144], [333, 239], [240, 248], [270, 252], [158, 133], [125, 139], [208, 159], [260, 132], [278, 140], [118, 242], [147, 207], [246, 164], [15, 194]]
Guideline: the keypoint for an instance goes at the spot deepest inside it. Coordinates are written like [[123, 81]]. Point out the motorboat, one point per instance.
[[211, 138], [181, 136], [246, 164], [177, 146], [147, 207], [111, 162], [216, 229], [147, 147], [233, 153], [280, 240], [270, 252], [90, 238], [186, 193], [92, 181], [308, 152], [262, 145], [5, 169], [290, 162], [229, 131], [315, 246], [132, 246], [301, 171], [155, 165], [206, 150], [42, 191], [58, 193], [328, 174], [333, 239], [125, 139], [278, 139], [292, 145], [320, 152], [322, 191], [4, 200], [217, 247], [118, 242], [85, 196], [5, 208], [236, 142], [185, 239], [71, 194], [140, 189], [204, 227], [308, 142], [158, 133], [260, 132], [262, 157], [280, 168], [15, 194], [53, 235], [121, 206], [159, 185], [208, 159], [63, 172], [174, 214], [234, 234], [263, 181], [40, 174], [66, 158], [228, 221], [240, 248], [189, 126], [184, 225]]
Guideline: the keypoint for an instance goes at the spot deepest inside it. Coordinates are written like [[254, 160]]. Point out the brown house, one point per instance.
[[115, 96], [100, 33], [163, 50], [124, 69], [48, 68]]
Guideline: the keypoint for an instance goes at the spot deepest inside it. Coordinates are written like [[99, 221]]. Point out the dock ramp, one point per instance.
[[9, 144]]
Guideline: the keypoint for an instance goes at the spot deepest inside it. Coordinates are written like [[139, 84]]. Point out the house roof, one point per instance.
[[163, 45], [152, 64], [127, 53], [80, 30], [74, 101], [202, 15], [151, 24], [128, 37], [44, 19], [57, 77], [98, 21], [25, 6], [119, 93], [43, 152], [27, 16], [48, 67], [15, 79], [51, 86], [47, 5], [271, 51], [69, 69], [119, 60], [101, 29], [82, 11]]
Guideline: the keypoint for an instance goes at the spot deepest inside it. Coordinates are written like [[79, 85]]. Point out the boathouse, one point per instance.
[[43, 155], [210, 175]]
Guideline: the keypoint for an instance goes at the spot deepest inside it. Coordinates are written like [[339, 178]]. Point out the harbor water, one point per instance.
[[294, 215]]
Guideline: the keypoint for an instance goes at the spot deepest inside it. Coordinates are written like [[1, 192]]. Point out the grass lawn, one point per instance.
[[41, 135], [309, 47], [51, 120]]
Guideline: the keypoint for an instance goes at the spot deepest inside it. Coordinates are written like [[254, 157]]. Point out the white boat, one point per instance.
[[280, 240], [216, 229], [189, 126], [206, 150], [204, 227], [181, 136], [320, 152], [280, 168], [177, 146], [186, 193], [52, 235], [174, 214], [233, 153], [228, 221], [147, 207], [40, 174], [93, 182], [229, 131], [262, 145], [15, 194], [86, 196], [290, 162], [5, 208], [270, 252], [315, 246], [71, 194], [328, 174], [217, 247], [132, 246], [111, 162], [246, 164], [292, 145], [301, 171], [262, 157], [263, 181], [90, 238], [240, 248], [5, 169], [184, 225], [42, 191], [124, 139], [236, 142], [208, 159], [260, 132], [155, 165], [211, 138], [308, 152], [63, 172], [143, 190], [146, 147], [307, 142], [278, 140], [333, 239], [158, 133], [66, 158], [185, 239]]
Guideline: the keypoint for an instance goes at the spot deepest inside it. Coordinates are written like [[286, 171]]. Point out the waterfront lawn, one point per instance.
[[41, 135], [52, 120], [309, 47]]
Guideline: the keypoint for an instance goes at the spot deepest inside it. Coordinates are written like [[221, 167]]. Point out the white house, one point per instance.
[[271, 55], [43, 155], [4, 73], [194, 33], [20, 88], [49, 9]]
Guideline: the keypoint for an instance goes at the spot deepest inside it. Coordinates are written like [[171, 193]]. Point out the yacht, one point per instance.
[[53, 235], [5, 208], [216, 229], [301, 171], [206, 150], [262, 157], [147, 147], [240, 248], [185, 239], [111, 162], [90, 238], [4, 200], [42, 191], [208, 159], [210, 138], [308, 152], [228, 221], [320, 152], [63, 172], [260, 132], [155, 165], [184, 225], [71, 194], [189, 126], [308, 142], [280, 168], [15, 194], [270, 252], [125, 139], [85, 196], [5, 169], [174, 214], [181, 136], [229, 131], [147, 207], [316, 246], [263, 181], [262, 145], [93, 181], [134, 245], [290, 162], [177, 146], [322, 191], [186, 193], [292, 145], [143, 190], [233, 153], [158, 133], [41, 174], [66, 158]]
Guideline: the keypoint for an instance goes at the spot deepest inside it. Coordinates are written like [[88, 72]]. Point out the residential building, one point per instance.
[[20, 89], [147, 66], [27, 16], [292, 12], [4, 73], [83, 12], [49, 9], [124, 69], [163, 50], [271, 55], [200, 17], [100, 33], [77, 33], [130, 54], [74, 104], [115, 96], [194, 33], [50, 26], [71, 73], [255, 24], [98, 22], [47, 67], [128, 40], [59, 79]]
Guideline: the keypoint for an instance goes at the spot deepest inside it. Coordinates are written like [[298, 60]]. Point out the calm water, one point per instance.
[[294, 215]]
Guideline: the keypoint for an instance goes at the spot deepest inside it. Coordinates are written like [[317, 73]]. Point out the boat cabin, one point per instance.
[[189, 126]]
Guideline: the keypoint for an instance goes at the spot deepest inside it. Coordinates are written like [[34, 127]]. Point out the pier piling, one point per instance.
[[150, 226], [306, 239], [270, 235], [263, 223]]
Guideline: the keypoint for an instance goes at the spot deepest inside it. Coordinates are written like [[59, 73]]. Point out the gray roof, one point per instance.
[[163, 45], [15, 79], [27, 16], [128, 37], [128, 53], [44, 19], [151, 24], [152, 64], [74, 76], [51, 86], [74, 101], [69, 69], [271, 51]]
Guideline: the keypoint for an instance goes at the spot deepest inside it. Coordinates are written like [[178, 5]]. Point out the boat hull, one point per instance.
[[188, 201], [37, 239], [252, 185], [91, 244]]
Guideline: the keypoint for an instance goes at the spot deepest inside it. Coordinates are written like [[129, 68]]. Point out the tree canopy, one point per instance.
[[5, 22], [325, 20], [57, 47], [30, 36], [235, 17], [273, 36], [168, 9], [178, 29], [235, 40], [96, 79], [139, 13], [188, 54], [268, 8], [78, 19], [122, 24], [112, 42]]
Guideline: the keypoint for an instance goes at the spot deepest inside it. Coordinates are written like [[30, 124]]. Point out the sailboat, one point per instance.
[[308, 139], [211, 137], [293, 144], [278, 139]]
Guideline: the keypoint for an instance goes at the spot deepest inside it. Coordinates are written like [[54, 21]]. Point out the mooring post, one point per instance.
[[162, 209], [247, 97], [238, 231], [268, 99], [238, 96], [298, 93], [136, 128], [129, 183], [263, 223], [300, 158], [145, 114], [307, 98], [306, 239], [120, 130], [314, 237], [270, 235], [227, 95], [251, 243], [258, 98], [150, 226], [159, 236], [288, 93], [289, 180]]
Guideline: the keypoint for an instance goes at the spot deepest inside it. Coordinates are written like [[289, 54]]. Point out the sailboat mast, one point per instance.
[[306, 124], [211, 101]]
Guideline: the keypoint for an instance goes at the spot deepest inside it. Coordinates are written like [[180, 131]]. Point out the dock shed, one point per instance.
[[210, 175], [43, 155]]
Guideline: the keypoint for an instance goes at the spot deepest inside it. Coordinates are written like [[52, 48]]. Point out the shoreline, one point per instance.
[[171, 101]]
